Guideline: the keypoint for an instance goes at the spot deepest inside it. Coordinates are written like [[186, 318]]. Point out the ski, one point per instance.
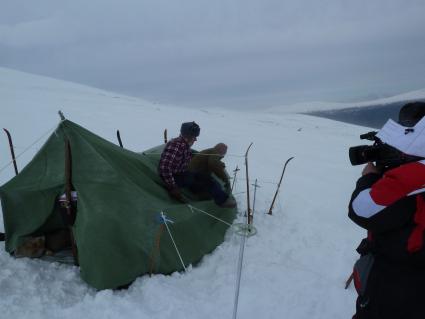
[[278, 186]]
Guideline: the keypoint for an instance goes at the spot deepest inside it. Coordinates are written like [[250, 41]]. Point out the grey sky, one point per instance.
[[221, 52]]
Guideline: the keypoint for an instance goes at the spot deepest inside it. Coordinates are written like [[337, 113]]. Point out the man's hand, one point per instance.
[[176, 194], [370, 169]]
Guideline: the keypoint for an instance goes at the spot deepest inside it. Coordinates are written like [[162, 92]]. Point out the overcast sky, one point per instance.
[[221, 52]]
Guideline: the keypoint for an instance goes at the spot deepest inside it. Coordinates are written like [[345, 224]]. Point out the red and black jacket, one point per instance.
[[392, 208]]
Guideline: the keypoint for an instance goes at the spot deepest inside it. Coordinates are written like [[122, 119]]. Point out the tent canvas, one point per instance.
[[120, 198]]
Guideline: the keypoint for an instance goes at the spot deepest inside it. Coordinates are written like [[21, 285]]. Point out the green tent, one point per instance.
[[118, 230]]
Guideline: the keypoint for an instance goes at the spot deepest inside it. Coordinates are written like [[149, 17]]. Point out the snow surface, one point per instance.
[[296, 265]]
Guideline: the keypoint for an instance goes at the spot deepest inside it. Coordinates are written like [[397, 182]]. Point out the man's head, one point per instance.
[[221, 149], [190, 131], [411, 113]]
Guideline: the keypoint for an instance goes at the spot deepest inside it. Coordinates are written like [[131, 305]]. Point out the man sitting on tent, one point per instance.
[[173, 169], [209, 161]]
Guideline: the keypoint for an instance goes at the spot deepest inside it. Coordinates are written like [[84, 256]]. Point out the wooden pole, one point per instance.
[[9, 137], [119, 138], [68, 189]]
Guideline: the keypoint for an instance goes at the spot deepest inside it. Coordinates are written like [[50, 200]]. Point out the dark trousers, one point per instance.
[[394, 291], [200, 182]]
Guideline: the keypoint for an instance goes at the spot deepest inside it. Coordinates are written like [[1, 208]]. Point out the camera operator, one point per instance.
[[389, 202]]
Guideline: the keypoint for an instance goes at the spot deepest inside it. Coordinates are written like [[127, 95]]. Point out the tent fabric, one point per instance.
[[120, 198]]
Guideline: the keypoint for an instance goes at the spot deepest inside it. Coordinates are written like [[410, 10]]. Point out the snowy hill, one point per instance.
[[295, 267]]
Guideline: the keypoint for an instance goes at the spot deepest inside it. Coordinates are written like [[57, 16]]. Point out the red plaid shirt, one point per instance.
[[175, 158]]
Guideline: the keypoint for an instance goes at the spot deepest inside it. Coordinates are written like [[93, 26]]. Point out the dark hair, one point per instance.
[[190, 129], [411, 113]]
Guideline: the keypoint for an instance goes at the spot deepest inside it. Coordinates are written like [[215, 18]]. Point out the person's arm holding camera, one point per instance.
[[376, 201]]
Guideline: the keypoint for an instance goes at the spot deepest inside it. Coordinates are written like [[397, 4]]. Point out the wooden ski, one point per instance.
[[248, 207], [278, 186]]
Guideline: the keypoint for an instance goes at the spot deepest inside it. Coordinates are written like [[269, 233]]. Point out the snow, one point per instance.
[[294, 267]]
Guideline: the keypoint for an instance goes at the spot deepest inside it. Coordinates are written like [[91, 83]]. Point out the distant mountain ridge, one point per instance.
[[373, 113], [374, 116], [308, 107]]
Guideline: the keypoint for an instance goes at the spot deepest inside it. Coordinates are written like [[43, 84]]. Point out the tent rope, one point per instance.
[[29, 147], [164, 219], [231, 155], [238, 276], [204, 212]]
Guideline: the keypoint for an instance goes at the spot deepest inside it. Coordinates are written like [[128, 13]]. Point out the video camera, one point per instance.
[[384, 155]]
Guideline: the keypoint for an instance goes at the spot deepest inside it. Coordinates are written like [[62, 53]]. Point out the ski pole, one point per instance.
[[255, 194], [165, 136], [349, 280], [235, 171]]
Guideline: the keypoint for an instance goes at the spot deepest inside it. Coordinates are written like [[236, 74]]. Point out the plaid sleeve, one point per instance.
[[187, 156], [167, 163]]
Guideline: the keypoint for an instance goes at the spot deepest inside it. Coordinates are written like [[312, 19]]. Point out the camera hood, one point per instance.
[[408, 140]]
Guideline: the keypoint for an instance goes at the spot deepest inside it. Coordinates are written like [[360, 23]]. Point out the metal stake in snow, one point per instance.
[[278, 186], [255, 193], [235, 171], [12, 152]]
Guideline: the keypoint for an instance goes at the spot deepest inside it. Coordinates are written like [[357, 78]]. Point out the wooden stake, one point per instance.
[[119, 138], [278, 186], [68, 189], [9, 137]]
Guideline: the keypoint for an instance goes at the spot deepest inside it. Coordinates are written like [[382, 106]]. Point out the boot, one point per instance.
[[228, 203]]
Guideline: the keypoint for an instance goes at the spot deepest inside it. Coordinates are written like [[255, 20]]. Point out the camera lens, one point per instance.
[[358, 154]]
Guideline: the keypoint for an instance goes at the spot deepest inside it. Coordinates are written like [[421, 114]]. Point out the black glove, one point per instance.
[[177, 195]]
